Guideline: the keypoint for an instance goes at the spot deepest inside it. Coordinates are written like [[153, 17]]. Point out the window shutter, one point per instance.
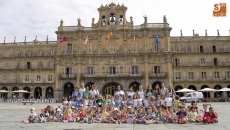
[[72, 70], [138, 69], [117, 70], [130, 71], [93, 70]]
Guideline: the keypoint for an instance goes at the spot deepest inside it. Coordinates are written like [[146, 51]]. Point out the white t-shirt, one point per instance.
[[168, 101], [146, 103], [121, 93], [130, 93], [135, 102], [93, 93], [81, 90], [162, 102], [142, 94]]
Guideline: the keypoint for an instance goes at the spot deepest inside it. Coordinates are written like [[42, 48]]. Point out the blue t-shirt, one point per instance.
[[78, 102], [181, 114], [130, 102], [149, 94], [117, 103]]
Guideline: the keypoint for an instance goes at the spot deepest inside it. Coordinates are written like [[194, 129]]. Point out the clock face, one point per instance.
[[112, 27]]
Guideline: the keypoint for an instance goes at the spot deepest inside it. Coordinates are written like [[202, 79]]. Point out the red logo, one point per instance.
[[220, 10]]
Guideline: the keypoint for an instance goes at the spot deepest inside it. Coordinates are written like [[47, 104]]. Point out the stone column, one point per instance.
[[146, 77]]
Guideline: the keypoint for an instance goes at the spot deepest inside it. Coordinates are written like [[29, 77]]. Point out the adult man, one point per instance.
[[171, 92]]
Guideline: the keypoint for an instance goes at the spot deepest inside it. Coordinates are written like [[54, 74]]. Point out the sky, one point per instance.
[[31, 18]]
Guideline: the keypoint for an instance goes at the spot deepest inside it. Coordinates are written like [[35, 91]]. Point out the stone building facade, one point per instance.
[[51, 69]]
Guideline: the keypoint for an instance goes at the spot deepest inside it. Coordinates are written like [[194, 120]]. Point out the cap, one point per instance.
[[58, 109], [32, 109], [72, 107], [81, 105], [129, 106], [115, 108], [94, 106]]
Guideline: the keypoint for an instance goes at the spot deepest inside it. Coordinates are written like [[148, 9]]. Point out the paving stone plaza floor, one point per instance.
[[11, 116]]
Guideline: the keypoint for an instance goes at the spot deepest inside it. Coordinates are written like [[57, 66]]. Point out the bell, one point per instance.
[[120, 19], [112, 19], [103, 20]]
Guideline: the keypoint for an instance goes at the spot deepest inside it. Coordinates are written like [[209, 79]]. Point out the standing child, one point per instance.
[[163, 100], [158, 101], [176, 103], [85, 101], [168, 101], [64, 103], [130, 101], [146, 102]]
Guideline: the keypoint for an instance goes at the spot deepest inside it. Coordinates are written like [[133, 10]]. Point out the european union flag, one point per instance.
[[157, 40]]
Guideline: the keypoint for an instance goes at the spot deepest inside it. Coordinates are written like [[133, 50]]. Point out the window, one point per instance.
[[213, 48], [40, 53], [215, 61], [50, 77], [177, 75], [51, 52], [157, 69], [111, 47], [69, 71], [177, 62], [188, 49], [176, 49], [51, 64], [40, 64], [202, 61], [28, 65], [27, 77], [69, 48], [201, 49], [112, 70], [134, 47], [216, 75], [90, 71], [203, 75], [190, 75], [29, 53], [90, 48], [18, 54], [228, 74], [38, 77], [134, 70], [189, 95]]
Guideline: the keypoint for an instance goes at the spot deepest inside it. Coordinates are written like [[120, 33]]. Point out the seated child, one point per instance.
[[213, 115], [89, 117], [98, 116], [67, 115], [105, 115], [131, 115], [42, 116], [82, 114], [75, 115], [192, 115], [172, 117], [115, 116], [123, 116], [58, 115], [182, 115], [32, 116], [159, 116], [150, 116]]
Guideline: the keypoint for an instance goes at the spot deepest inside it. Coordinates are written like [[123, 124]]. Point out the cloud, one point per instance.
[[42, 17]]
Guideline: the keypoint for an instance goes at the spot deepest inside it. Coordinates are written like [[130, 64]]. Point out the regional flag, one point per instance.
[[64, 39], [110, 35], [86, 39]]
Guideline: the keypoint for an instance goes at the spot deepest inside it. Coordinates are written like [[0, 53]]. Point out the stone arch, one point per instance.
[[38, 92], [26, 95], [192, 87], [4, 95], [110, 88], [68, 89], [218, 94], [135, 85], [206, 94], [178, 87], [155, 83], [89, 84], [49, 92], [15, 88]]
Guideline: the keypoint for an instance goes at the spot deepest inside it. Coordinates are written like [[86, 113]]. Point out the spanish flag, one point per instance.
[[110, 35]]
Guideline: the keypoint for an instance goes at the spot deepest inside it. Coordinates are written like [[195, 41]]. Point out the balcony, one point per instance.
[[68, 76], [200, 79], [117, 75], [158, 75], [196, 64]]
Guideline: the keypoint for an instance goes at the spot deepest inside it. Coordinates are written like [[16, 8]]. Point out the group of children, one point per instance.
[[151, 110]]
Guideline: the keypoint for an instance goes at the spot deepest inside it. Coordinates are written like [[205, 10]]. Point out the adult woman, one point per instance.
[[94, 91], [75, 93], [163, 90], [82, 90], [130, 92], [149, 92], [171, 91], [141, 92], [119, 92], [156, 91]]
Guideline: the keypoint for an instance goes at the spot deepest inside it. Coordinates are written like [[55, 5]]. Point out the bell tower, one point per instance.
[[112, 16]]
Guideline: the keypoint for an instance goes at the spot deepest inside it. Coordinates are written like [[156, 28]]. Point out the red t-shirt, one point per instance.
[[213, 115]]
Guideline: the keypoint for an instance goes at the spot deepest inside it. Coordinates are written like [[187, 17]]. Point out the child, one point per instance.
[[192, 115], [105, 115], [75, 115], [64, 103], [158, 101], [91, 101], [82, 114], [194, 104], [131, 115], [135, 101], [117, 101], [67, 115], [153, 101], [58, 115], [150, 116], [140, 116], [182, 115], [168, 101], [176, 103], [78, 102], [98, 116], [32, 116], [106, 101], [130, 101], [172, 117], [146, 102], [89, 117], [162, 100], [123, 116], [42, 116], [85, 101], [115, 116], [99, 101], [213, 115], [159, 116]]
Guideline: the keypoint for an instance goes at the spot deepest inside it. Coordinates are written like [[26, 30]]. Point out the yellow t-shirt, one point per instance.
[[192, 116], [176, 104], [105, 114]]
